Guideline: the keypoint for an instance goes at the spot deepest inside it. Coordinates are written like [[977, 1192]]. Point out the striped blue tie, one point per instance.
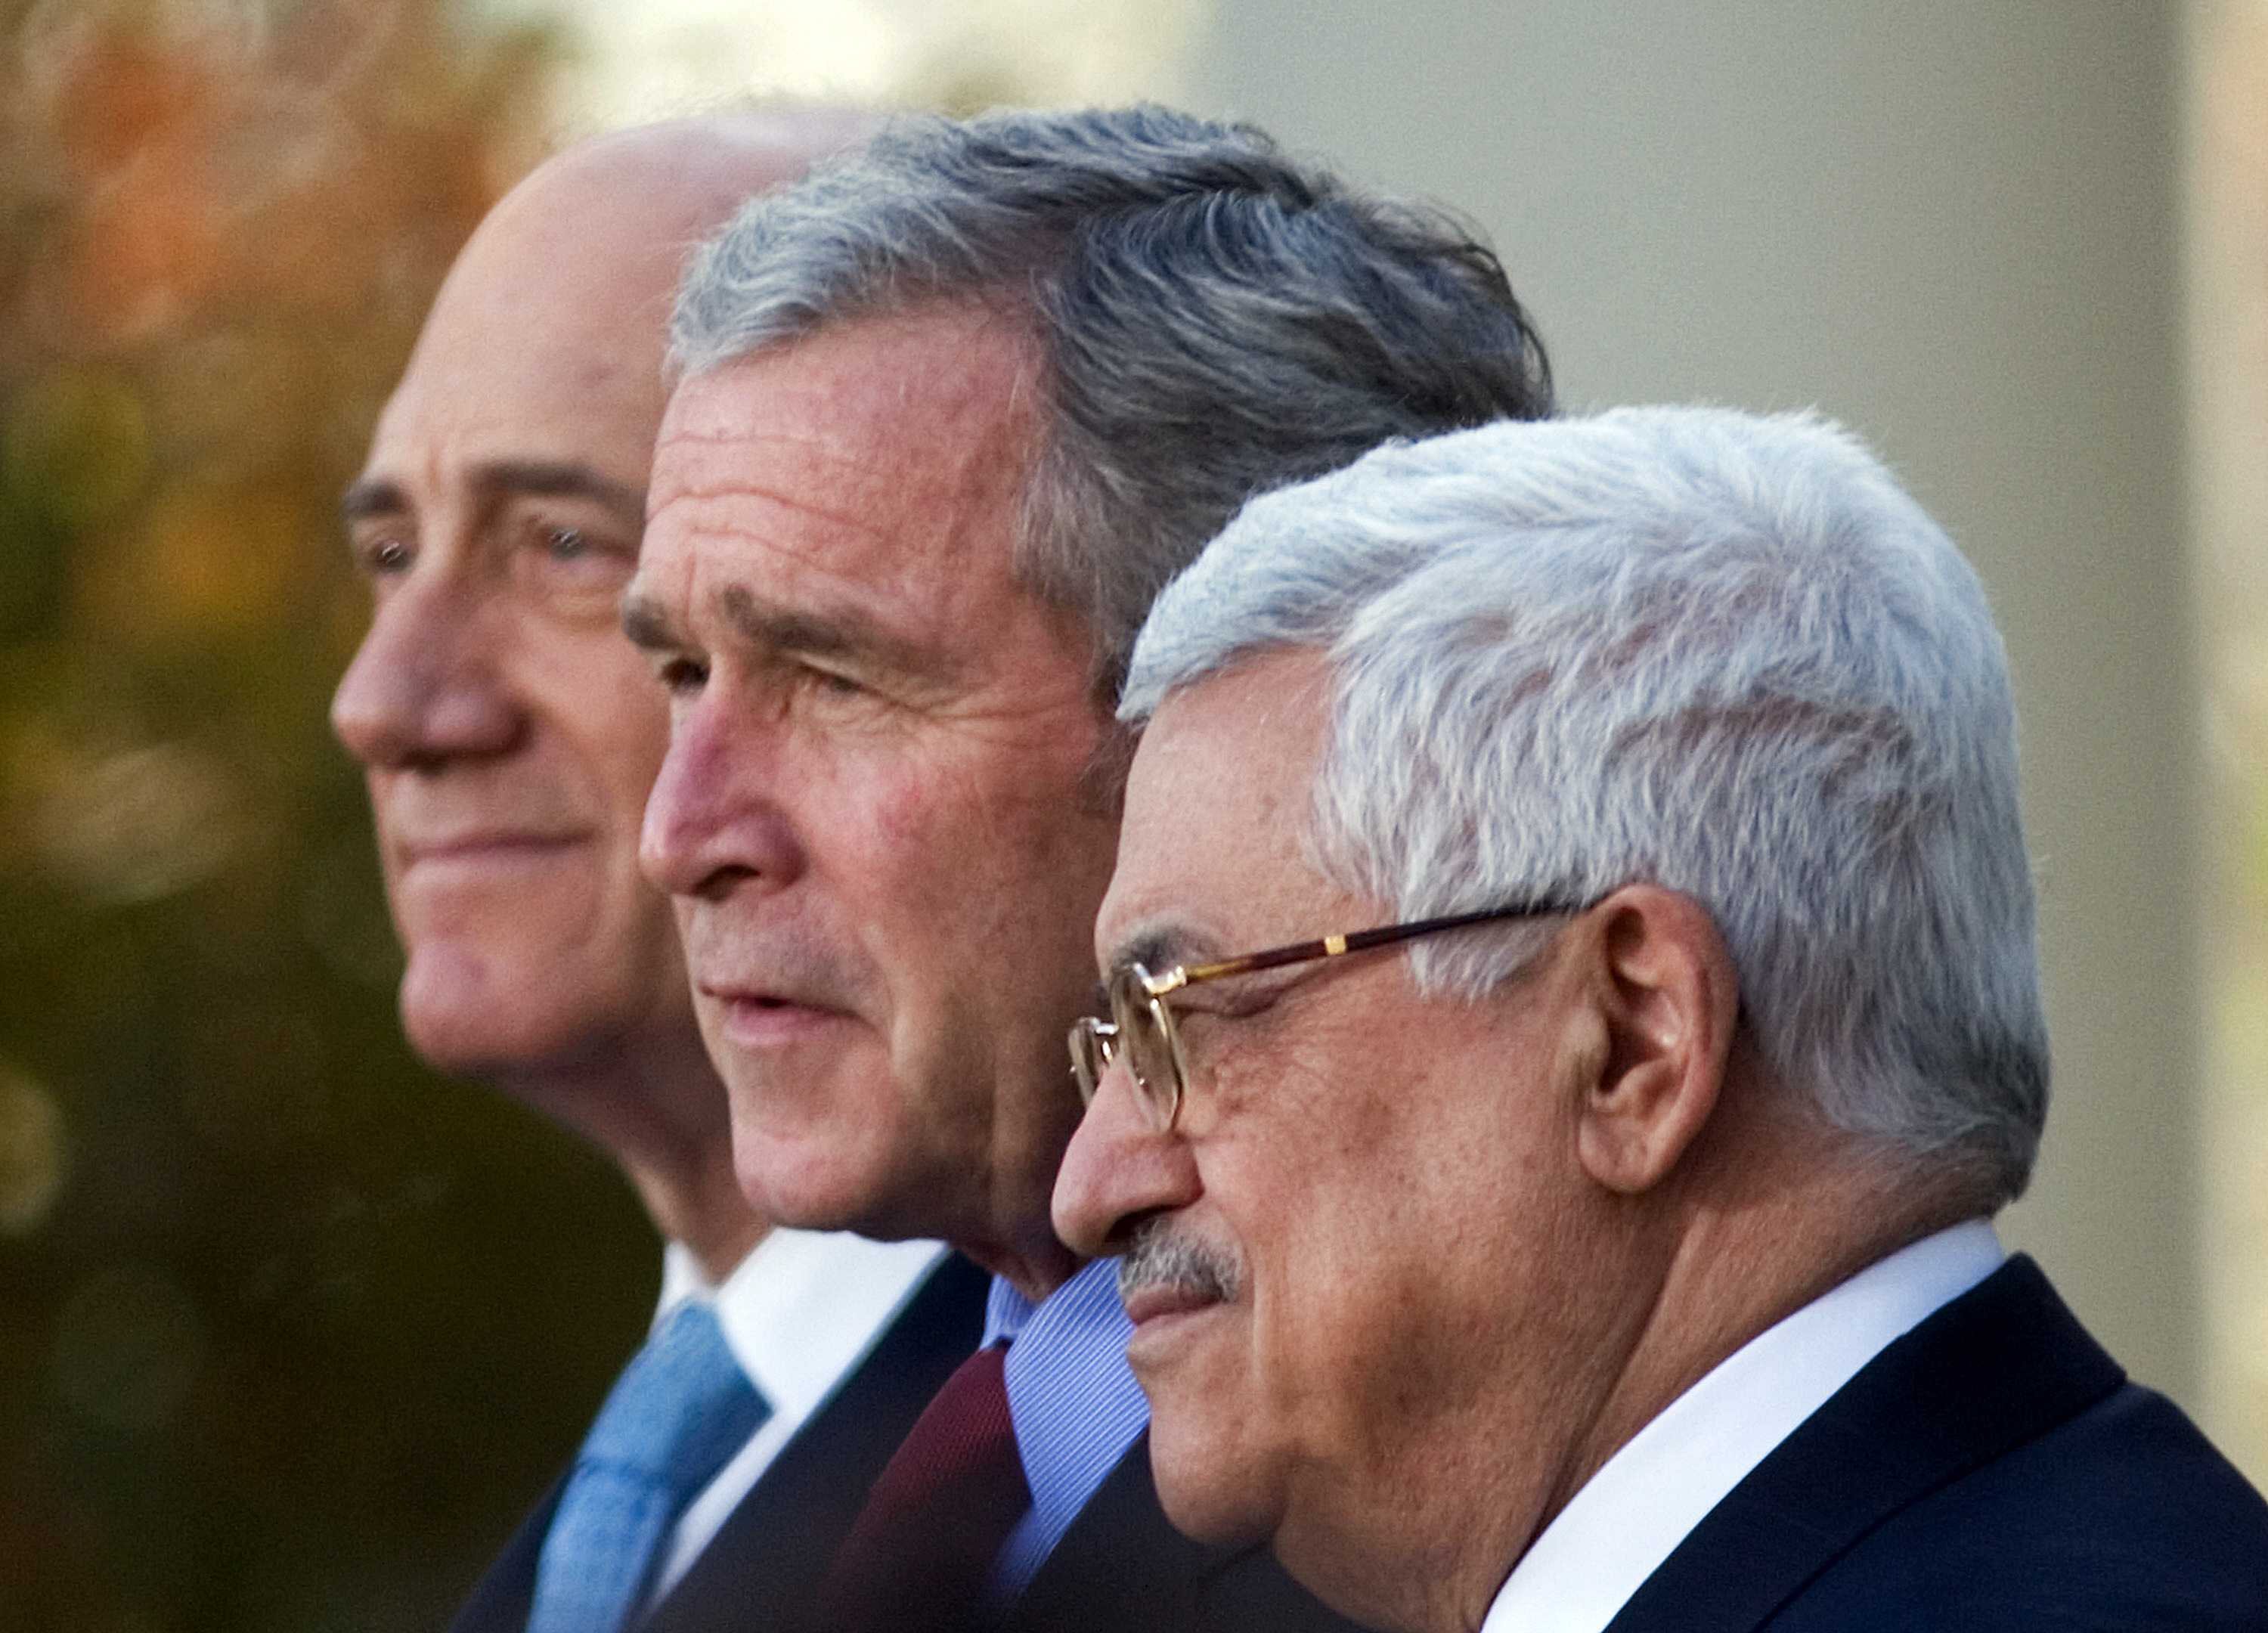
[[678, 1411]]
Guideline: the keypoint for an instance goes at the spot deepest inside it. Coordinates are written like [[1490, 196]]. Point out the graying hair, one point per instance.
[[1722, 653], [1215, 319]]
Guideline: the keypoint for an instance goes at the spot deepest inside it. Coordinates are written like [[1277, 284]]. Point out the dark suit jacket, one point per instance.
[[1122, 1568], [1994, 1469], [762, 1569]]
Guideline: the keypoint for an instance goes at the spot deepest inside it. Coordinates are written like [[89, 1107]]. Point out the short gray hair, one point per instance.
[[1217, 319], [1723, 653]]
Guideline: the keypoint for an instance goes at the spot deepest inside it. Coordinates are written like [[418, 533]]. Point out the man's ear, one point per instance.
[[1669, 998]]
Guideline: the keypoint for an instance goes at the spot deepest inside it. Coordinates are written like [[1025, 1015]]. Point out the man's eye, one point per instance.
[[814, 682], [682, 676], [574, 568], [384, 557], [564, 544]]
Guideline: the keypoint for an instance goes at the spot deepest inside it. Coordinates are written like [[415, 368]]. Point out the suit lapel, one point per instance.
[[1999, 1365], [500, 1601], [1119, 1566], [1122, 1568]]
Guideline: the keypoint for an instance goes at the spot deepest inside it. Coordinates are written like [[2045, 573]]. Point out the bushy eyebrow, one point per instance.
[[847, 635], [372, 495], [648, 624], [1156, 948], [496, 479]]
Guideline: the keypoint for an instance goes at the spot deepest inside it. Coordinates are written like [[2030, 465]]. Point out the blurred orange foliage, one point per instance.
[[267, 1290]]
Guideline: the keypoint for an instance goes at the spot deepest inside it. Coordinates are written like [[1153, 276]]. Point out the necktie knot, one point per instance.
[[680, 1409]]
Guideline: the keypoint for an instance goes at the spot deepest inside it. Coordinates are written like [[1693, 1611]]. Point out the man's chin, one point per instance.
[[464, 1024], [798, 1203], [1203, 1491], [803, 1173], [452, 1023]]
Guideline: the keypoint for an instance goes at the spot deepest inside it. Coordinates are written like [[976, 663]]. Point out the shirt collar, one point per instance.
[[1005, 1311], [1648, 1497], [802, 1308], [1073, 1399], [799, 1314]]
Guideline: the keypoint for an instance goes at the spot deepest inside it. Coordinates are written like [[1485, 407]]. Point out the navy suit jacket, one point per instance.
[[1122, 1568], [1993, 1468], [762, 1568]]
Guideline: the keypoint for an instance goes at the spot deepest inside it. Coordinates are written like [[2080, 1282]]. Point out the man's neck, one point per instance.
[[1735, 1251], [1745, 1259], [708, 1217], [1639, 1508], [655, 1107]]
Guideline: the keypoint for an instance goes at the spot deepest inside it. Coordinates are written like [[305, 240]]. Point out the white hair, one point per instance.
[[1723, 653]]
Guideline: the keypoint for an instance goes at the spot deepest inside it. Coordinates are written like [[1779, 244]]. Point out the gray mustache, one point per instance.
[[1157, 1259]]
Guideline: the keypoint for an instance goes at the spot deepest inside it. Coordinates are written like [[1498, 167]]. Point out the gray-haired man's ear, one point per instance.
[[1668, 998]]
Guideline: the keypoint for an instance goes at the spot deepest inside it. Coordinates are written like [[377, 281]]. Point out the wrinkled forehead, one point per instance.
[[879, 467]]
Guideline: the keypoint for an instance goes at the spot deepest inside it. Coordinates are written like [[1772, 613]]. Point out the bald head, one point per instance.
[[509, 732], [566, 286]]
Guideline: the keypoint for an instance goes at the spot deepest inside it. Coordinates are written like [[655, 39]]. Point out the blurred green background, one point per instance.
[[290, 1331]]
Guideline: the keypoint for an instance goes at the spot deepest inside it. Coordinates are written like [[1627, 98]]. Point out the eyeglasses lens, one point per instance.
[[1093, 1043], [1146, 1036]]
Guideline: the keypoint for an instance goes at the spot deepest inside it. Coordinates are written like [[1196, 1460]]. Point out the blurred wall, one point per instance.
[[2228, 238], [1954, 225]]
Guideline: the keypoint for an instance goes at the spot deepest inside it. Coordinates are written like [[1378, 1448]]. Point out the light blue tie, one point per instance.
[[678, 1411]]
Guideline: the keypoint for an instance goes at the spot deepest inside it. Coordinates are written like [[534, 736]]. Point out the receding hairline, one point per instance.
[[705, 165], [589, 245], [608, 222]]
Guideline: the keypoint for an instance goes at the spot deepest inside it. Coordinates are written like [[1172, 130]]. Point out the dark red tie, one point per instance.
[[921, 1554]]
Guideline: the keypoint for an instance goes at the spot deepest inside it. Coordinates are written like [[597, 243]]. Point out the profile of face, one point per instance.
[[1354, 1230], [508, 731], [872, 816]]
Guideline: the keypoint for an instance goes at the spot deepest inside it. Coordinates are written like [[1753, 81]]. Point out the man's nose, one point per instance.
[[1119, 1169], [712, 818], [424, 686]]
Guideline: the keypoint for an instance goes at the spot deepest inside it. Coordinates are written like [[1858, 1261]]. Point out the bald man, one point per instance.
[[509, 735]]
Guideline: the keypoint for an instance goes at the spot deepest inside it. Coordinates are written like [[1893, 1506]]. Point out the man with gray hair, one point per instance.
[[1590, 1229], [951, 412]]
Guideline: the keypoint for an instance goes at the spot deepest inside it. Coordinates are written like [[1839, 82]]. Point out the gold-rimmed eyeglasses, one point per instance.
[[1141, 1025]]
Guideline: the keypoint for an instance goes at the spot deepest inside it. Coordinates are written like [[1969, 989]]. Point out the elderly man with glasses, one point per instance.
[[1593, 1229]]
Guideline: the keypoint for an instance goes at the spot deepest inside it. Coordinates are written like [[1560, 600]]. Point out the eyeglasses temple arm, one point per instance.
[[1354, 941]]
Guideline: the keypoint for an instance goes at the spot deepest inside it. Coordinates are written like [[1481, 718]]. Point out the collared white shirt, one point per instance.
[[799, 1314], [1649, 1495]]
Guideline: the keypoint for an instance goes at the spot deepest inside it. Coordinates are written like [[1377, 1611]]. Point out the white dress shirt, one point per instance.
[[799, 1314], [1649, 1495]]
